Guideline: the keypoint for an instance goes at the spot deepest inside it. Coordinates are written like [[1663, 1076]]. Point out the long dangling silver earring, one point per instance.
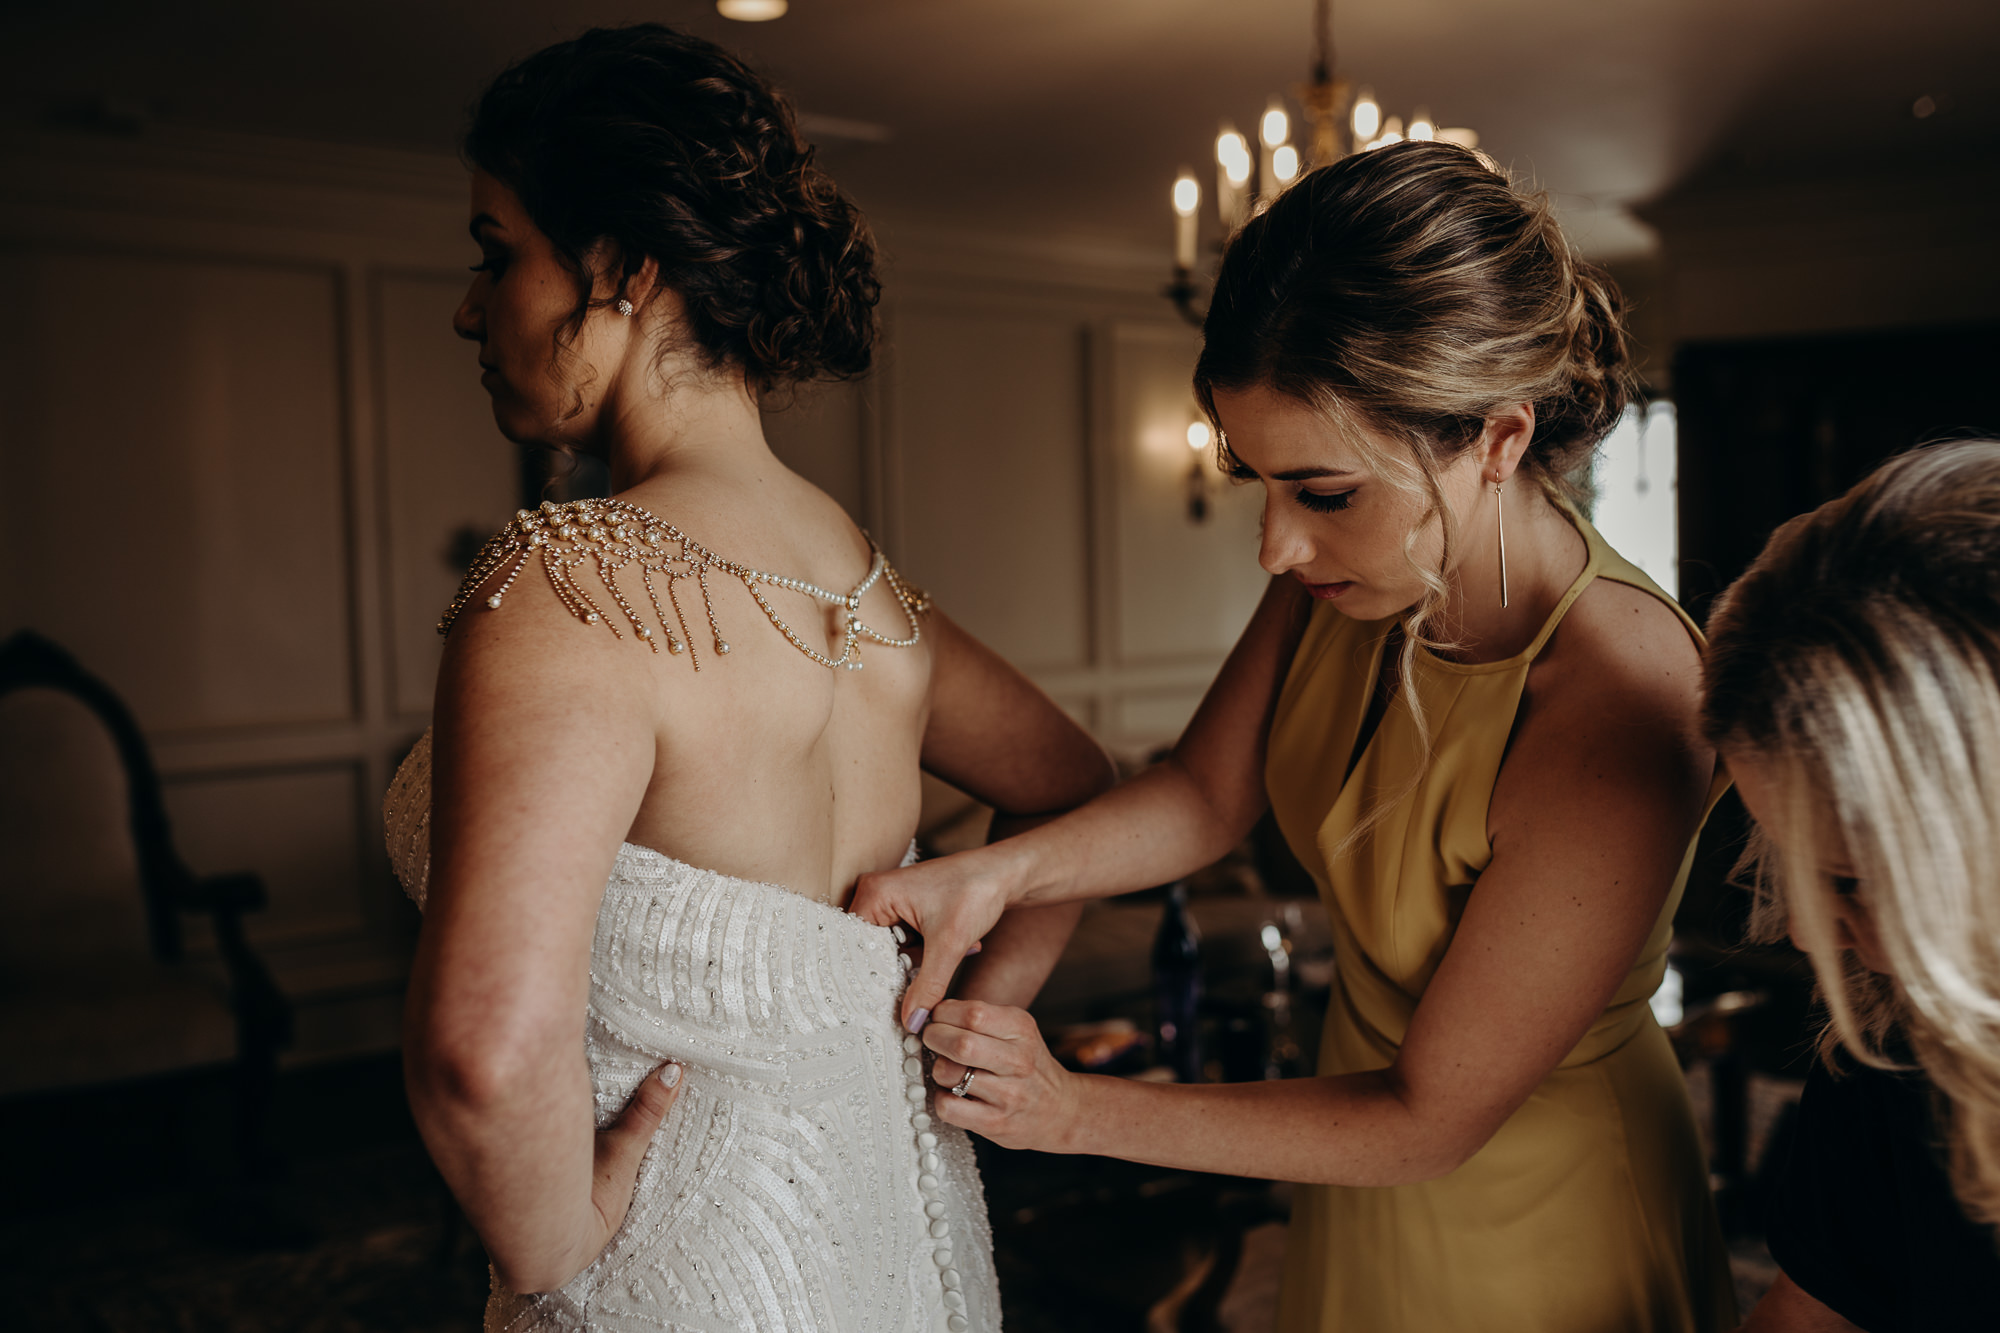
[[622, 306], [1500, 515]]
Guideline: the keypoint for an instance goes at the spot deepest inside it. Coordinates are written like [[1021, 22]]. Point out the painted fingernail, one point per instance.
[[976, 947], [918, 1019], [902, 937], [671, 1076]]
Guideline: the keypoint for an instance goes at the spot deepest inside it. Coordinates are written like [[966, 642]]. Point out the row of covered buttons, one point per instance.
[[928, 1164]]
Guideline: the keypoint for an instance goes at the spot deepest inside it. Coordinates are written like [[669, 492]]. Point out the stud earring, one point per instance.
[[1500, 517], [622, 306]]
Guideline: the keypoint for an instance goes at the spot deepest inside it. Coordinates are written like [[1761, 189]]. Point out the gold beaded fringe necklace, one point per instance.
[[612, 534]]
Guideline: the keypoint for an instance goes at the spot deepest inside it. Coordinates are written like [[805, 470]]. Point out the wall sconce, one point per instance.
[[1199, 437]]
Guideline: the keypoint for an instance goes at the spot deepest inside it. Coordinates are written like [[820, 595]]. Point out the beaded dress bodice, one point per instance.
[[800, 1181]]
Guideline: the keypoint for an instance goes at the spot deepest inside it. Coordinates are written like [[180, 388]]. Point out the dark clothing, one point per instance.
[[1863, 1217]]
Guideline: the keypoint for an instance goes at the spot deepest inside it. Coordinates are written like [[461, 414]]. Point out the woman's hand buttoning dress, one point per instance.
[[660, 1066]]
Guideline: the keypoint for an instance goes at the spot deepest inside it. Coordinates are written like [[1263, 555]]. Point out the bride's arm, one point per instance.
[[992, 734], [541, 760], [1175, 818]]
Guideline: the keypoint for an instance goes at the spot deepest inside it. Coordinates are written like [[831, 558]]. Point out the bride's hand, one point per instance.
[[1019, 1096], [951, 902], [621, 1146]]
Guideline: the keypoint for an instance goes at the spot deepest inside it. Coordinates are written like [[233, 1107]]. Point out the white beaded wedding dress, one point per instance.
[[800, 1181]]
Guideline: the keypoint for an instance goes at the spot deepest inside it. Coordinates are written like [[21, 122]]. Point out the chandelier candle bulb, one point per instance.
[[1284, 163], [1187, 218], [1272, 133], [1422, 126], [1276, 127], [1367, 117], [1232, 176], [1232, 153]]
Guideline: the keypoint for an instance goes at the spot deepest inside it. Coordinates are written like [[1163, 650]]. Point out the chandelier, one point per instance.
[[1246, 182]]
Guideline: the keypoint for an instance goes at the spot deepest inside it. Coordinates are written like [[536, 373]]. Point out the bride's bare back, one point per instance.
[[789, 670]]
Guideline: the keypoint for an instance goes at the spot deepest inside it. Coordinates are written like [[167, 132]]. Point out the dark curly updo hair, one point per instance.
[[666, 147]]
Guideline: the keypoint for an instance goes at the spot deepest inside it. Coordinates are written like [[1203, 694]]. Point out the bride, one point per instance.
[[658, 1064]]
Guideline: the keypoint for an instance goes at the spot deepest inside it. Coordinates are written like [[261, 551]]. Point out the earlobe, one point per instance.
[[639, 285], [1508, 435]]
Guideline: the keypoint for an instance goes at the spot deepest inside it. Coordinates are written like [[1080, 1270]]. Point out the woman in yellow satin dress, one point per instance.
[[1473, 722], [1590, 1207]]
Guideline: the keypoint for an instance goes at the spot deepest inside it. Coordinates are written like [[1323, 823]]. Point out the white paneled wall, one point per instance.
[[242, 443], [989, 463], [445, 469], [1177, 592], [175, 428]]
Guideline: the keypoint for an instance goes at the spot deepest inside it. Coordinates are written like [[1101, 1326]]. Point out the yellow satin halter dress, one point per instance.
[[1589, 1211]]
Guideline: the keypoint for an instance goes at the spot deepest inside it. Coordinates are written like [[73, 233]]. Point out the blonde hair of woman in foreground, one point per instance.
[[1853, 687]]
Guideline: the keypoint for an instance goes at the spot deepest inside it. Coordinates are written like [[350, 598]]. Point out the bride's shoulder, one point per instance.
[[551, 583]]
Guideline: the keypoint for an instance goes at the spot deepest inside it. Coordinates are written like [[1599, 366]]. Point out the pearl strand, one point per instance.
[[612, 534]]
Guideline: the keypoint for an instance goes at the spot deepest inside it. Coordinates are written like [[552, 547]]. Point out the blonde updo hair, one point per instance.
[[1415, 291], [1860, 658]]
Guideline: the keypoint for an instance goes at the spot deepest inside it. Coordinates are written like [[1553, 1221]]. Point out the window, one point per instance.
[[1635, 481]]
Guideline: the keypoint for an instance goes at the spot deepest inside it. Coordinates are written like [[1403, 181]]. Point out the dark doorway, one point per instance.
[[1769, 429]]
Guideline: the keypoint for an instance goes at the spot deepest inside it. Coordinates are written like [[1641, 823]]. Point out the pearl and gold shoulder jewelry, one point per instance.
[[614, 534]]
